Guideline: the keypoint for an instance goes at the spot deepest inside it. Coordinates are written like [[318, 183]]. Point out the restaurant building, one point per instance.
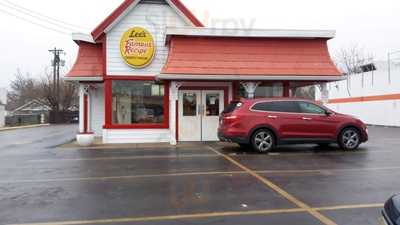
[[151, 72]]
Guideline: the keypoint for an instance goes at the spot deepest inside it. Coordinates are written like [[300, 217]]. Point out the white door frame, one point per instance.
[[199, 125]]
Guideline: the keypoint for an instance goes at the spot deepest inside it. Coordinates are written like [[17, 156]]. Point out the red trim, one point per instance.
[[108, 106], [235, 87], [85, 113], [99, 30], [177, 120], [108, 102], [387, 97], [104, 46], [286, 89]]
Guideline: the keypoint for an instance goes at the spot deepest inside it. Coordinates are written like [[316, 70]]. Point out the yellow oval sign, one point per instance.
[[137, 47]]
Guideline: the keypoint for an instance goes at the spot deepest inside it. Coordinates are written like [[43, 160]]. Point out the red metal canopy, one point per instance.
[[89, 64], [249, 57]]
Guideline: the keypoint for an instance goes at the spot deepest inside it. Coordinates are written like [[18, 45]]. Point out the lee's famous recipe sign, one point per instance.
[[137, 47]]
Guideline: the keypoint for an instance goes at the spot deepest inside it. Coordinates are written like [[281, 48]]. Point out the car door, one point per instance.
[[283, 116], [316, 122]]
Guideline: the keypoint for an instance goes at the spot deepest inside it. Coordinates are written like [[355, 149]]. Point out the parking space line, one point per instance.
[[340, 207], [325, 220], [319, 153], [123, 177], [206, 215], [300, 172], [173, 217], [177, 156], [327, 170]]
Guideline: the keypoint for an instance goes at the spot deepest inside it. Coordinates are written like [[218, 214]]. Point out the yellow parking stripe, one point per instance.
[[268, 183], [177, 156], [280, 172], [328, 170], [206, 215], [340, 207], [122, 177], [173, 217]]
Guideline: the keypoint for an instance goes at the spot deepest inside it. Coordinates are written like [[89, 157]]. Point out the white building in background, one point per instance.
[[3, 101], [372, 96]]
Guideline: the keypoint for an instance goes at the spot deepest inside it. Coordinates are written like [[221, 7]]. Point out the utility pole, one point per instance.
[[56, 76]]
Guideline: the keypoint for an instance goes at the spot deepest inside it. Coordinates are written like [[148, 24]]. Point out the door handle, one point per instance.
[[306, 118], [272, 117]]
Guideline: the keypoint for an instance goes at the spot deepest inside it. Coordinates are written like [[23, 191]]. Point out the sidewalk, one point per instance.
[[98, 145]]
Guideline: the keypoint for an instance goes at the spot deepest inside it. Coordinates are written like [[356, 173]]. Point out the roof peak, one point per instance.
[[130, 4]]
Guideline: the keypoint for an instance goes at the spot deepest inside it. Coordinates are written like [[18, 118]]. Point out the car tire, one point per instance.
[[349, 139], [263, 141]]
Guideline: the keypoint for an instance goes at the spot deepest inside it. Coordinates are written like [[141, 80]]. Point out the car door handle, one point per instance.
[[306, 118], [272, 117]]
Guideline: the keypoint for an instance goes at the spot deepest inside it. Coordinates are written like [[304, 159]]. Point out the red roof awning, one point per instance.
[[253, 57], [89, 64]]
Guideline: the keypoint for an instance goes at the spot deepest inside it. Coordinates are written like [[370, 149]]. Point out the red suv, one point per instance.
[[265, 123]]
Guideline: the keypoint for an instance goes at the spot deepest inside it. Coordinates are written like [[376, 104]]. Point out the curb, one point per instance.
[[23, 127]]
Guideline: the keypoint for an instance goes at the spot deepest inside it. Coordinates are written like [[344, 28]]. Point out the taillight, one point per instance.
[[229, 119]]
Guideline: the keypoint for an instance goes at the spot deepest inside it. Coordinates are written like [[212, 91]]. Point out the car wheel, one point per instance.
[[350, 139], [263, 141]]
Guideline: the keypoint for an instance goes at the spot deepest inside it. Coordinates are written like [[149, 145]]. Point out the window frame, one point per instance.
[[319, 114], [287, 101], [108, 98]]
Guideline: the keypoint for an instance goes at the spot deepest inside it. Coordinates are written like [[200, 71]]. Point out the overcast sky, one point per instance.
[[371, 24]]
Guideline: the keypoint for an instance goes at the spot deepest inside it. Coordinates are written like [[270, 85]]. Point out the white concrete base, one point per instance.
[[85, 140], [136, 136]]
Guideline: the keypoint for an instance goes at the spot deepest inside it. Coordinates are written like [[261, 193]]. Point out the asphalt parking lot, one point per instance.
[[208, 183]]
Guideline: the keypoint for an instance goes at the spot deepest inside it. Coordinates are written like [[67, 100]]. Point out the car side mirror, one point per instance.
[[328, 113]]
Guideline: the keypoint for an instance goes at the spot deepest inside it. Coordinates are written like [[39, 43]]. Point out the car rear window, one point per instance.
[[277, 106], [232, 106]]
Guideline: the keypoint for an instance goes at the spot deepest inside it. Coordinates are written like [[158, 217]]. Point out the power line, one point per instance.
[[45, 16], [36, 17], [37, 24]]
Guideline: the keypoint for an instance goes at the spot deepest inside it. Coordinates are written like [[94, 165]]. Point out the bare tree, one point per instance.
[[349, 60], [24, 88]]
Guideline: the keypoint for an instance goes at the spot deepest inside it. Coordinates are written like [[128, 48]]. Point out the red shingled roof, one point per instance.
[[89, 62], [249, 56], [98, 31]]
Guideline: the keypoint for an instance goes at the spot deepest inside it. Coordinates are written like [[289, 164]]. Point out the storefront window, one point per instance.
[[137, 102], [264, 90]]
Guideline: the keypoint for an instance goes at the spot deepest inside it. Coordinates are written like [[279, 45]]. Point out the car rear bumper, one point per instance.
[[233, 139]]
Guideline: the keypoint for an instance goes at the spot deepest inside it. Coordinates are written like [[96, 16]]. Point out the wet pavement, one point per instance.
[[208, 183]]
